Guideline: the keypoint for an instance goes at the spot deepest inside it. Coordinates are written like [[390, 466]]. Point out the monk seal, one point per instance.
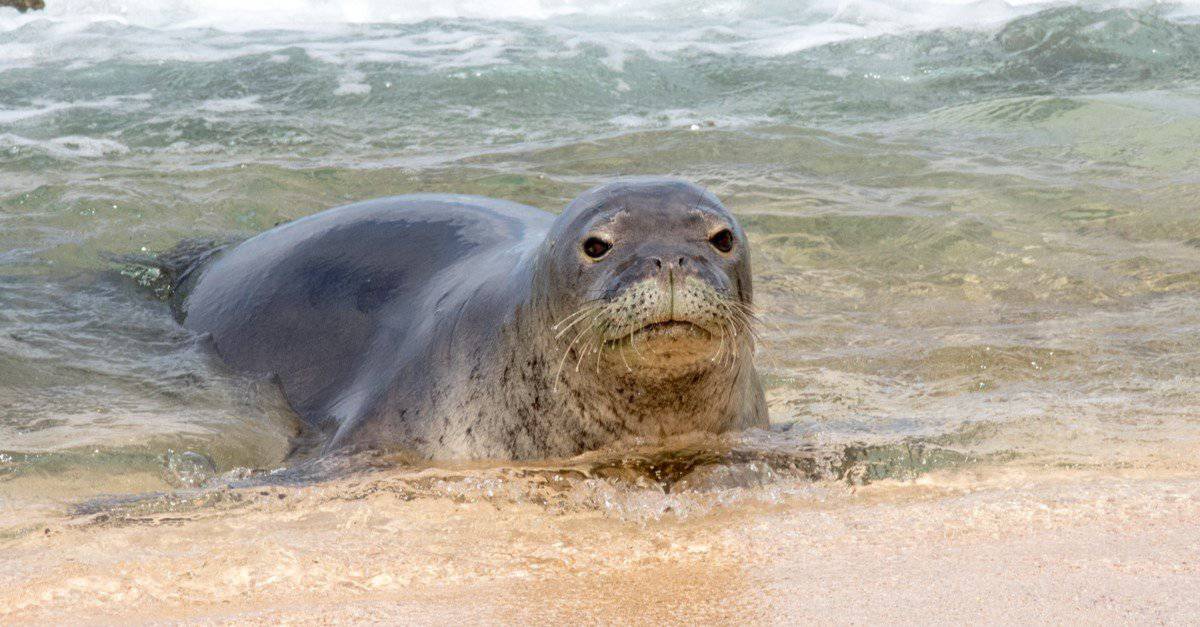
[[462, 327]]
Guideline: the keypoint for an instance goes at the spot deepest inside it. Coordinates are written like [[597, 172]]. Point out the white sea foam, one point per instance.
[[682, 118], [352, 83], [81, 33], [230, 105], [66, 146], [797, 25], [45, 107]]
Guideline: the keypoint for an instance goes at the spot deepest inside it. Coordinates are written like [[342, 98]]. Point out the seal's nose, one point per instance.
[[677, 263], [670, 271]]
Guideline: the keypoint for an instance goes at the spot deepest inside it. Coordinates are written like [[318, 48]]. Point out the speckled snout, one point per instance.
[[672, 295]]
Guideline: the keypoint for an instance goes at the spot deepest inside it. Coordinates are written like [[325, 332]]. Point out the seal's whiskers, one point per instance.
[[623, 359], [720, 348], [580, 314], [567, 352], [584, 351], [600, 343]]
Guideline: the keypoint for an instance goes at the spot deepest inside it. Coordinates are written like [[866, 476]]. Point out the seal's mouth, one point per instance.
[[672, 329], [666, 333], [666, 345]]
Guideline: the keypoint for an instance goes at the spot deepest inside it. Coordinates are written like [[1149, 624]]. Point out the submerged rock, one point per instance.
[[23, 5]]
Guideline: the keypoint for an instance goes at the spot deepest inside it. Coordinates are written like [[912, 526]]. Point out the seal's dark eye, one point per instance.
[[722, 240], [595, 247]]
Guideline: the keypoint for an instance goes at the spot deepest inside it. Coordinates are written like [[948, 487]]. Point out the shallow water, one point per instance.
[[975, 235]]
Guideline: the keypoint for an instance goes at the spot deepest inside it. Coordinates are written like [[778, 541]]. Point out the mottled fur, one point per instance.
[[503, 340]]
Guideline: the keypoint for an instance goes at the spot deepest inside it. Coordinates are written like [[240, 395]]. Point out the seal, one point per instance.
[[462, 327]]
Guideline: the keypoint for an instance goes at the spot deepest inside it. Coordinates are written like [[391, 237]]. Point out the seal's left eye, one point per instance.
[[722, 240], [595, 247]]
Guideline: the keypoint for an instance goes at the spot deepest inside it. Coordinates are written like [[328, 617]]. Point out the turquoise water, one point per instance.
[[974, 224]]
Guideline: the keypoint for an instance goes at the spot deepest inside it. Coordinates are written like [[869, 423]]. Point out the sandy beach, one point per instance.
[[1002, 545]]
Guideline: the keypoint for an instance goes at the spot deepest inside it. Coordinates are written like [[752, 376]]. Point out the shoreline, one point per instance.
[[985, 545]]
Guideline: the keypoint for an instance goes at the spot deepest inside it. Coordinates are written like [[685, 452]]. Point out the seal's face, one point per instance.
[[659, 278]]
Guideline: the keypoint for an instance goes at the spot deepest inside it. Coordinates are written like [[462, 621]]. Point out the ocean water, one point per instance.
[[975, 225]]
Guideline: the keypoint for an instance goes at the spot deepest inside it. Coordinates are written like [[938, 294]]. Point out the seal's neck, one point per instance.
[[700, 399]]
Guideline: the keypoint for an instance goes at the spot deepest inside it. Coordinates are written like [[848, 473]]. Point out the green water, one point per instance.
[[981, 240]]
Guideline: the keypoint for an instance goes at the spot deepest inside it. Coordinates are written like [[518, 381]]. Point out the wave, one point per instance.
[[76, 34], [444, 85], [781, 26]]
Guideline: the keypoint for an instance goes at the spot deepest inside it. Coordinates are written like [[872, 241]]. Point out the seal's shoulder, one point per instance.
[[433, 208], [395, 232]]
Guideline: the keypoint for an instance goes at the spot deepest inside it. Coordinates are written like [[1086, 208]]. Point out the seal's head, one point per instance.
[[652, 277]]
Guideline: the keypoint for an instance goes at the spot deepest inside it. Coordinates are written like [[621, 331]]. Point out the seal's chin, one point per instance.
[[671, 345]]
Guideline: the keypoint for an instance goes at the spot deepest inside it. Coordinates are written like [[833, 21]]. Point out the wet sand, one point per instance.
[[996, 545]]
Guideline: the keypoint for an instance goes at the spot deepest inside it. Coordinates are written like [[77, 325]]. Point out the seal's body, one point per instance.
[[466, 327]]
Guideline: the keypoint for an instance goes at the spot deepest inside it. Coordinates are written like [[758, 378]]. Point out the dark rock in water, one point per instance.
[[23, 5]]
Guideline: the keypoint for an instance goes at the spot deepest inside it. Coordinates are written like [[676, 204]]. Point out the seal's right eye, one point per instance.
[[722, 240], [595, 247]]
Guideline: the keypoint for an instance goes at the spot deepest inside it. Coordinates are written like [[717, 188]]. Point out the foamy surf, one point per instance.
[[815, 22]]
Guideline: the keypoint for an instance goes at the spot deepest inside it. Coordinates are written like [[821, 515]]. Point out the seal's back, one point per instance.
[[305, 301]]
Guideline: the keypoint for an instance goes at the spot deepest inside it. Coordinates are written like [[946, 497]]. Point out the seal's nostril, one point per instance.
[[682, 261], [657, 262]]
